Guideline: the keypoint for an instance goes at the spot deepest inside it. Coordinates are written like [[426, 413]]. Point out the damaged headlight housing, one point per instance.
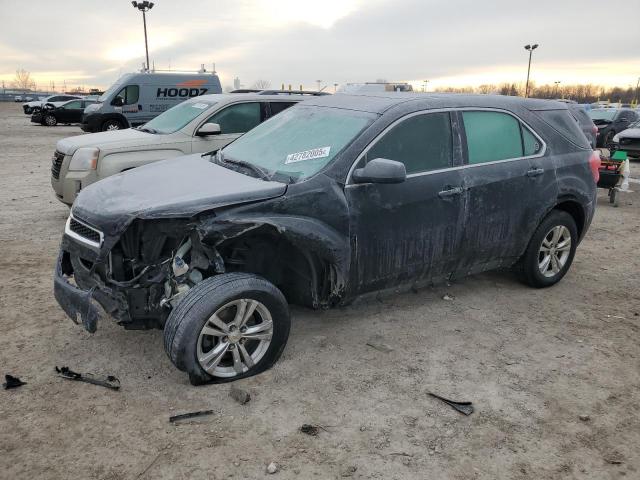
[[84, 159]]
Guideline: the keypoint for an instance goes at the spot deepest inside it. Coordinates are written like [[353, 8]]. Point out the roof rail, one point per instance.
[[314, 93]]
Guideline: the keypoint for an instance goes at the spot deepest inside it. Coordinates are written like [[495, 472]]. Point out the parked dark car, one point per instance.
[[611, 121], [68, 112], [332, 199], [629, 140]]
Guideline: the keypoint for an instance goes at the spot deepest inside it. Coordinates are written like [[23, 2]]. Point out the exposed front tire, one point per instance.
[[550, 251], [50, 120], [111, 125], [27, 110], [227, 327]]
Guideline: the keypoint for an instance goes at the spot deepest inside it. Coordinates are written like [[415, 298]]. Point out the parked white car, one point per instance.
[[56, 100], [201, 124]]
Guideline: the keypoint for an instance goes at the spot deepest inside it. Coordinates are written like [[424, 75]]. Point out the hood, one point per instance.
[[178, 187], [629, 133], [117, 138]]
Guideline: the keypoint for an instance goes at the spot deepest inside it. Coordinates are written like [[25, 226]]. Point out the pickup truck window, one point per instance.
[[177, 117]]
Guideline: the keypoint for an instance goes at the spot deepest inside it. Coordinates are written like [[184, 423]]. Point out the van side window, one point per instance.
[[421, 142], [238, 118], [130, 94], [492, 136]]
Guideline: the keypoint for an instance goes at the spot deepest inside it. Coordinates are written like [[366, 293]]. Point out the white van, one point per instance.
[[139, 97]]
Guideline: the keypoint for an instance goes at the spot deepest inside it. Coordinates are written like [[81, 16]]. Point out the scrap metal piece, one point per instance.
[[185, 416], [109, 381], [462, 407], [12, 382]]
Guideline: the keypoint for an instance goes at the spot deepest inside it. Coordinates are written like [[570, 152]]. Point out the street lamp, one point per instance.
[[557, 82], [426, 83], [144, 7], [530, 48]]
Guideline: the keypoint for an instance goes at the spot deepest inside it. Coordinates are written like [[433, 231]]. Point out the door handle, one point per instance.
[[451, 192], [535, 172]]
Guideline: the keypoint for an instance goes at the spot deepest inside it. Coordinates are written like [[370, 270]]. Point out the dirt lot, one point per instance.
[[532, 362]]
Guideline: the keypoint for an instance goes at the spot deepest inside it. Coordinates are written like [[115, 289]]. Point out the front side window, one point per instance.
[[239, 118], [300, 141], [422, 143], [73, 105], [129, 94], [54, 99]]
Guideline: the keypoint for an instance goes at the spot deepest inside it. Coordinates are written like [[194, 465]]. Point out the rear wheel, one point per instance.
[[111, 125], [550, 251], [227, 327], [50, 120]]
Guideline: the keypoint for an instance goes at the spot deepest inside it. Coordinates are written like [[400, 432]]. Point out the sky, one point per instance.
[[458, 43]]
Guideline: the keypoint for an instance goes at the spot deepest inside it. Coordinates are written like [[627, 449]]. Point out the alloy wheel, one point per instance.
[[235, 338], [554, 251]]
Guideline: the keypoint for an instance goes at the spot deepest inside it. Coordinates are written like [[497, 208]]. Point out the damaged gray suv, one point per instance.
[[332, 199]]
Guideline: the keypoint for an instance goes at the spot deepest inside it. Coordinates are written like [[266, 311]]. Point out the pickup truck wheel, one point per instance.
[[50, 121], [111, 125], [227, 327], [550, 251]]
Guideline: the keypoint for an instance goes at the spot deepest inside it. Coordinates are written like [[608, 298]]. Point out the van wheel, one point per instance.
[[50, 121], [550, 251], [227, 327], [111, 125]]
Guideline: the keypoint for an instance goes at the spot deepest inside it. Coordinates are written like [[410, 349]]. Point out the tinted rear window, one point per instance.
[[563, 122]]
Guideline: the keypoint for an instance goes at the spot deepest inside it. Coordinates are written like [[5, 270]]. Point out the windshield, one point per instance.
[[300, 141], [105, 96], [603, 114], [177, 117]]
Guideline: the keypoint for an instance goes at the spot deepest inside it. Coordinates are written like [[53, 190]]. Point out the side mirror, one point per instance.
[[209, 129], [381, 170], [118, 102]]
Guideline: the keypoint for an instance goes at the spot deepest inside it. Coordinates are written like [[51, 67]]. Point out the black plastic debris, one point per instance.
[[462, 407], [185, 416], [309, 429], [109, 381], [12, 382]]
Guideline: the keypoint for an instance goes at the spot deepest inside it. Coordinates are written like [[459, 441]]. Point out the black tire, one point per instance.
[[27, 110], [111, 124], [185, 322], [49, 120], [528, 267]]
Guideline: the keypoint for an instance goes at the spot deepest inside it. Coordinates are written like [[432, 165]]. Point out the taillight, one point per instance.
[[595, 164]]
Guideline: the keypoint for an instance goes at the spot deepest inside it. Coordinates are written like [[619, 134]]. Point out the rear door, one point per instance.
[[70, 112], [234, 120], [503, 178], [412, 230]]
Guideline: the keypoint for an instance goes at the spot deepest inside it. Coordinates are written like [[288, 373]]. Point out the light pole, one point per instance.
[[319, 82], [557, 82], [144, 7], [636, 96], [426, 83], [530, 48]]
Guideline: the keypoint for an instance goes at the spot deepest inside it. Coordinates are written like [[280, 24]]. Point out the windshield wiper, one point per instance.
[[263, 174]]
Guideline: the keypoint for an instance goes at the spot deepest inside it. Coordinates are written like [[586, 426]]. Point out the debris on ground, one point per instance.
[[239, 395], [462, 407], [377, 342], [109, 381], [272, 468], [584, 418], [349, 471], [12, 382], [448, 297], [185, 416], [309, 429]]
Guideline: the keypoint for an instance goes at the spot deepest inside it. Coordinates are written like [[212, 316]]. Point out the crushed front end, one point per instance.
[[135, 276]]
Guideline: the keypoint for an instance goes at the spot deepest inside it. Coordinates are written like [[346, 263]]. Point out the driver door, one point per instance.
[[70, 113], [234, 120], [412, 230]]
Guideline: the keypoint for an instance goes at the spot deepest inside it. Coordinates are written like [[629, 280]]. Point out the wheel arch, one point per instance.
[[307, 259], [573, 207]]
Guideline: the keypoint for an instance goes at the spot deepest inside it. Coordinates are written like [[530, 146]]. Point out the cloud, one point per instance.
[[335, 40]]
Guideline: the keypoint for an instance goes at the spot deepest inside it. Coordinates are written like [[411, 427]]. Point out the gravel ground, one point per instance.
[[531, 361]]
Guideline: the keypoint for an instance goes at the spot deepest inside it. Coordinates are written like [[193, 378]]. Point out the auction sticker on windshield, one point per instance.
[[308, 155]]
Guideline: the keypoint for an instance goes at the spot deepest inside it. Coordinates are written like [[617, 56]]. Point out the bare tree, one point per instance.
[[23, 80], [261, 84]]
